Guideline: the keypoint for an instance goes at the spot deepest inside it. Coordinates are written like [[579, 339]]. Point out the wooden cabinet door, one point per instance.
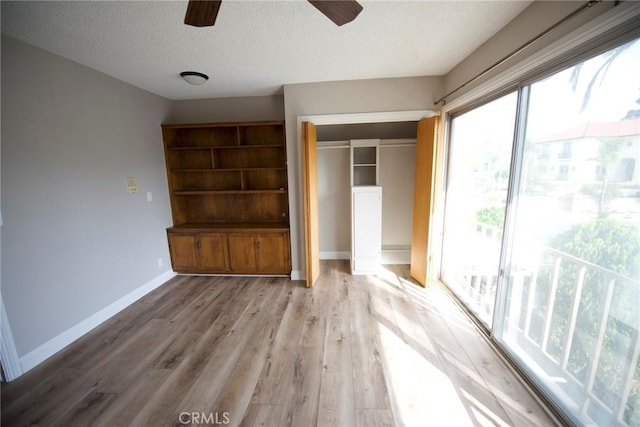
[[183, 251], [212, 253], [242, 253], [273, 253]]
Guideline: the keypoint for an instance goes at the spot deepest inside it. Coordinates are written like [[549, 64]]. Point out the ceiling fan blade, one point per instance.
[[202, 13], [339, 11]]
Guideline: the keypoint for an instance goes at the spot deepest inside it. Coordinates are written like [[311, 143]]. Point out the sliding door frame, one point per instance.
[[612, 28]]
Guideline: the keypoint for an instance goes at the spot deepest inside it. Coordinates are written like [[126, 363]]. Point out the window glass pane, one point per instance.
[[572, 308], [477, 181]]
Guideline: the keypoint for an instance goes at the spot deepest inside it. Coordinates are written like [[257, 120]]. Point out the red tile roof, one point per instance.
[[625, 127]]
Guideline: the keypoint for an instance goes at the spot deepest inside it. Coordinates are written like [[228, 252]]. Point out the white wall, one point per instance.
[[74, 241], [360, 96]]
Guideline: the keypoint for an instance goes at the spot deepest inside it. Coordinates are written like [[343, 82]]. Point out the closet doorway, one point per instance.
[[424, 125]]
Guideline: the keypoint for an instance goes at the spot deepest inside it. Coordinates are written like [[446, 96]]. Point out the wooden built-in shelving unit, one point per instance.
[[229, 179]]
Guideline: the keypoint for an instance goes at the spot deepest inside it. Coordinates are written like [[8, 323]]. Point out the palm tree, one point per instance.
[[599, 75], [607, 156]]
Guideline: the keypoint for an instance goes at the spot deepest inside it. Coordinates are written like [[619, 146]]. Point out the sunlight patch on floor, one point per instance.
[[421, 393]]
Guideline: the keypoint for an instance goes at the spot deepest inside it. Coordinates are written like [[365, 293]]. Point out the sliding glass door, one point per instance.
[[568, 303], [477, 182]]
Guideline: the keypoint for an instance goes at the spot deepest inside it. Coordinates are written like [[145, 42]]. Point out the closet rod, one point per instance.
[[397, 142], [496, 64]]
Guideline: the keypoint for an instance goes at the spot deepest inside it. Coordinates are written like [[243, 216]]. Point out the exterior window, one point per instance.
[[566, 150], [567, 308], [563, 172]]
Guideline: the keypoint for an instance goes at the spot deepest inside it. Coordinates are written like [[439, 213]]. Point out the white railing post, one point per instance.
[[530, 301], [602, 327], [631, 370], [551, 301], [575, 305]]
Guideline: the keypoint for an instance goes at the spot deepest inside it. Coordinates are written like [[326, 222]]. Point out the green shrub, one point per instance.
[[493, 216], [615, 246]]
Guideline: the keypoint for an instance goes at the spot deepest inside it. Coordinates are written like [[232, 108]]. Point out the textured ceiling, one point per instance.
[[256, 46]]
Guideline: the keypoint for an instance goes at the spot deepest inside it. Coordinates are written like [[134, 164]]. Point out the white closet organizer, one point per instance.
[[366, 207]]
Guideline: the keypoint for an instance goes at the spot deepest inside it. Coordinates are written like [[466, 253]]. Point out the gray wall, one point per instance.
[[397, 177], [397, 170], [536, 18], [74, 240], [360, 96], [254, 108], [334, 201]]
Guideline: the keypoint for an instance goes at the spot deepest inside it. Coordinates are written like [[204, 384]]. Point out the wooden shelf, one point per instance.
[[215, 192], [225, 147], [231, 226], [281, 168], [228, 191]]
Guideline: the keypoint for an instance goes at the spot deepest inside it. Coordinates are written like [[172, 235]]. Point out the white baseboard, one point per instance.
[[298, 275], [335, 255], [400, 255], [396, 256], [8, 353], [54, 345]]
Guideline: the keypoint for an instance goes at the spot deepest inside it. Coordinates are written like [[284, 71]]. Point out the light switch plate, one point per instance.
[[132, 184]]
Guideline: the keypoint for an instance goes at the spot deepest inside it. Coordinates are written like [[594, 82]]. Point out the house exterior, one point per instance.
[[558, 159]]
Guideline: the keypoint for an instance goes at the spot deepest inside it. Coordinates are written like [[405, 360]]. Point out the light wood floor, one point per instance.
[[353, 351]]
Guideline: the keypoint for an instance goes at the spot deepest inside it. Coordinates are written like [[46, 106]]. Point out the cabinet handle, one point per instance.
[[198, 244]]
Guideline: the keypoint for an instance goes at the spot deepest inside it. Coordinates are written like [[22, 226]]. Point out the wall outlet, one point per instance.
[[149, 196], [160, 262]]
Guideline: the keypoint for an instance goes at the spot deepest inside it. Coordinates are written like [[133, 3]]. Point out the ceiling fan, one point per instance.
[[203, 13]]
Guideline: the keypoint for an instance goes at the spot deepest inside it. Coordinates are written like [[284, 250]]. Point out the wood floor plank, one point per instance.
[[134, 356], [492, 386], [374, 418], [194, 320], [120, 328], [236, 393], [88, 411], [370, 389], [300, 406], [364, 351], [32, 405], [278, 369], [336, 401], [224, 358], [163, 407], [128, 403], [262, 415], [409, 364]]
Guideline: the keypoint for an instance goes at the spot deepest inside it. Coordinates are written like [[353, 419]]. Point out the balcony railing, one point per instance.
[[579, 325], [575, 325]]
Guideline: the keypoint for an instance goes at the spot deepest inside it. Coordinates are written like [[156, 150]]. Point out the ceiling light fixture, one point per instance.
[[194, 78]]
